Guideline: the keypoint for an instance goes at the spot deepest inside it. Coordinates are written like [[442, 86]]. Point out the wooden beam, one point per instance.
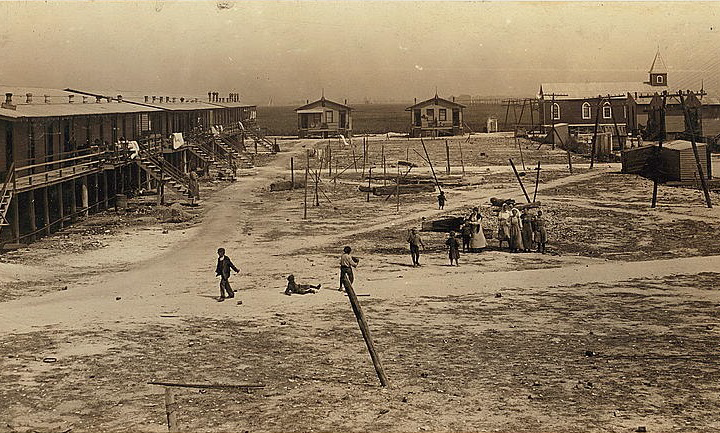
[[517, 175], [365, 330], [689, 124]]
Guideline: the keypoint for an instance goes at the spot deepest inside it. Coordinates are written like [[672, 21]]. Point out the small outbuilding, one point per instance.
[[678, 161], [324, 118], [436, 117]]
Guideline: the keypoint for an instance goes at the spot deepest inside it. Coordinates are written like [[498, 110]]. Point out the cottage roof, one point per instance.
[[323, 102], [435, 100], [58, 104]]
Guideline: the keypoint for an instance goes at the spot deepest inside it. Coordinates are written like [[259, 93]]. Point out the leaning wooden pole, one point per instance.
[[517, 175], [537, 181], [462, 162], [431, 166], [689, 124], [658, 151], [365, 331]]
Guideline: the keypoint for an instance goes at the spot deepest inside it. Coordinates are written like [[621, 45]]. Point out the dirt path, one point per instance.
[[495, 344]]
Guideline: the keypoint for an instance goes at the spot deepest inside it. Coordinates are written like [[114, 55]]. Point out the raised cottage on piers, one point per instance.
[[436, 117], [324, 118]]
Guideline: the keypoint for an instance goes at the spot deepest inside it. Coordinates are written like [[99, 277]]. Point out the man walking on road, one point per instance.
[[347, 262], [415, 244], [224, 264]]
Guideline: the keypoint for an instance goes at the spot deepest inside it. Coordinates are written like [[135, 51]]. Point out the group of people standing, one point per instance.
[[522, 230]]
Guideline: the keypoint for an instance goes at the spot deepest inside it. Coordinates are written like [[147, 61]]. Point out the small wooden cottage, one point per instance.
[[324, 118], [436, 117]]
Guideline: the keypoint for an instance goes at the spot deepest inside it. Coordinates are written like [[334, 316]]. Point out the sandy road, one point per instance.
[[177, 280]]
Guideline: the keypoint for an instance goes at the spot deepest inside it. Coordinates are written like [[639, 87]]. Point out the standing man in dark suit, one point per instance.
[[224, 264]]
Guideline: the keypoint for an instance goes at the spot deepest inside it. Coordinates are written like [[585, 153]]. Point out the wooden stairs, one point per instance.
[[164, 172]]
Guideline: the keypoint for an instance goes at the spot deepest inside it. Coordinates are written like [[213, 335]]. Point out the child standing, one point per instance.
[[540, 233], [453, 248]]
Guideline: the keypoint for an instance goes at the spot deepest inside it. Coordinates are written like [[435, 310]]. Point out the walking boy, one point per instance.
[[415, 244], [224, 264], [347, 262]]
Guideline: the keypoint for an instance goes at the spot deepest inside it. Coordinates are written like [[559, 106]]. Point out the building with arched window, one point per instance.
[[619, 106]]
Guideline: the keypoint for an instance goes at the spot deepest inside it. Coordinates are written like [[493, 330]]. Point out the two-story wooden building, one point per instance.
[[67, 153], [436, 117], [324, 118]]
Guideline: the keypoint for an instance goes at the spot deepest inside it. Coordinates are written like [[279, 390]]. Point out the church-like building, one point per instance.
[[621, 105]]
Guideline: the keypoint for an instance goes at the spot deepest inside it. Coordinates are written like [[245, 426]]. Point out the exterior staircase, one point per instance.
[[164, 172], [6, 196], [256, 133], [223, 171]]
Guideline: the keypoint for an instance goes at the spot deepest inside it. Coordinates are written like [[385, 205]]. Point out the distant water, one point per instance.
[[372, 118]]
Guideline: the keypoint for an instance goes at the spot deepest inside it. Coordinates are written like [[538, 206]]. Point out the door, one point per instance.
[[456, 117], [343, 118], [418, 117]]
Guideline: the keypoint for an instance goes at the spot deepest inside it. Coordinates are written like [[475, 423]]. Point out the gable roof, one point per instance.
[[323, 102], [593, 89], [435, 100]]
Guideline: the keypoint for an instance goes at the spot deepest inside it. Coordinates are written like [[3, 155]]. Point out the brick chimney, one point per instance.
[[98, 99], [70, 99], [174, 99], [47, 99], [161, 99], [8, 102], [147, 98], [154, 98], [85, 98], [28, 98], [119, 98]]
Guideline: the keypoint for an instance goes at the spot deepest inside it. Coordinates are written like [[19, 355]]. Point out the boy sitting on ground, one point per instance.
[[299, 289]]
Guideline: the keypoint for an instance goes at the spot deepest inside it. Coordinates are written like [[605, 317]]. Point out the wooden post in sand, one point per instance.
[[170, 408], [365, 331], [292, 173], [397, 189], [354, 159], [462, 162], [447, 155], [382, 150], [527, 197], [307, 170]]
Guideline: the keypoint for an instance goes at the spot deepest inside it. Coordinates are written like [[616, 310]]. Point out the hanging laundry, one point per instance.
[[177, 140]]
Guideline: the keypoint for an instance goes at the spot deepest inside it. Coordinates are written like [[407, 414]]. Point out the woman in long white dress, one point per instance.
[[477, 241]]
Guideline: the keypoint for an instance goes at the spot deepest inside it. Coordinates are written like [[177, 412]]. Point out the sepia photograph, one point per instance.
[[359, 216]]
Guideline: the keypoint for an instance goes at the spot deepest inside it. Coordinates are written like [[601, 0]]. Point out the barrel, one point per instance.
[[121, 201]]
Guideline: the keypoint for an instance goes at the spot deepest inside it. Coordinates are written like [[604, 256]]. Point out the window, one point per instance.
[[442, 114], [555, 111], [430, 113], [586, 111], [607, 111], [329, 117], [659, 79]]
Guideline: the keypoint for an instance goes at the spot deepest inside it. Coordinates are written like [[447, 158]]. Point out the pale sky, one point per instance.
[[290, 51]]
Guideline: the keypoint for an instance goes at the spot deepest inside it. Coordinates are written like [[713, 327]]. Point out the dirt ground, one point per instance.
[[615, 328]]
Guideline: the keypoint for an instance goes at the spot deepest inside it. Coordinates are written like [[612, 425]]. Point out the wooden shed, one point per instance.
[[324, 118], [678, 161]]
